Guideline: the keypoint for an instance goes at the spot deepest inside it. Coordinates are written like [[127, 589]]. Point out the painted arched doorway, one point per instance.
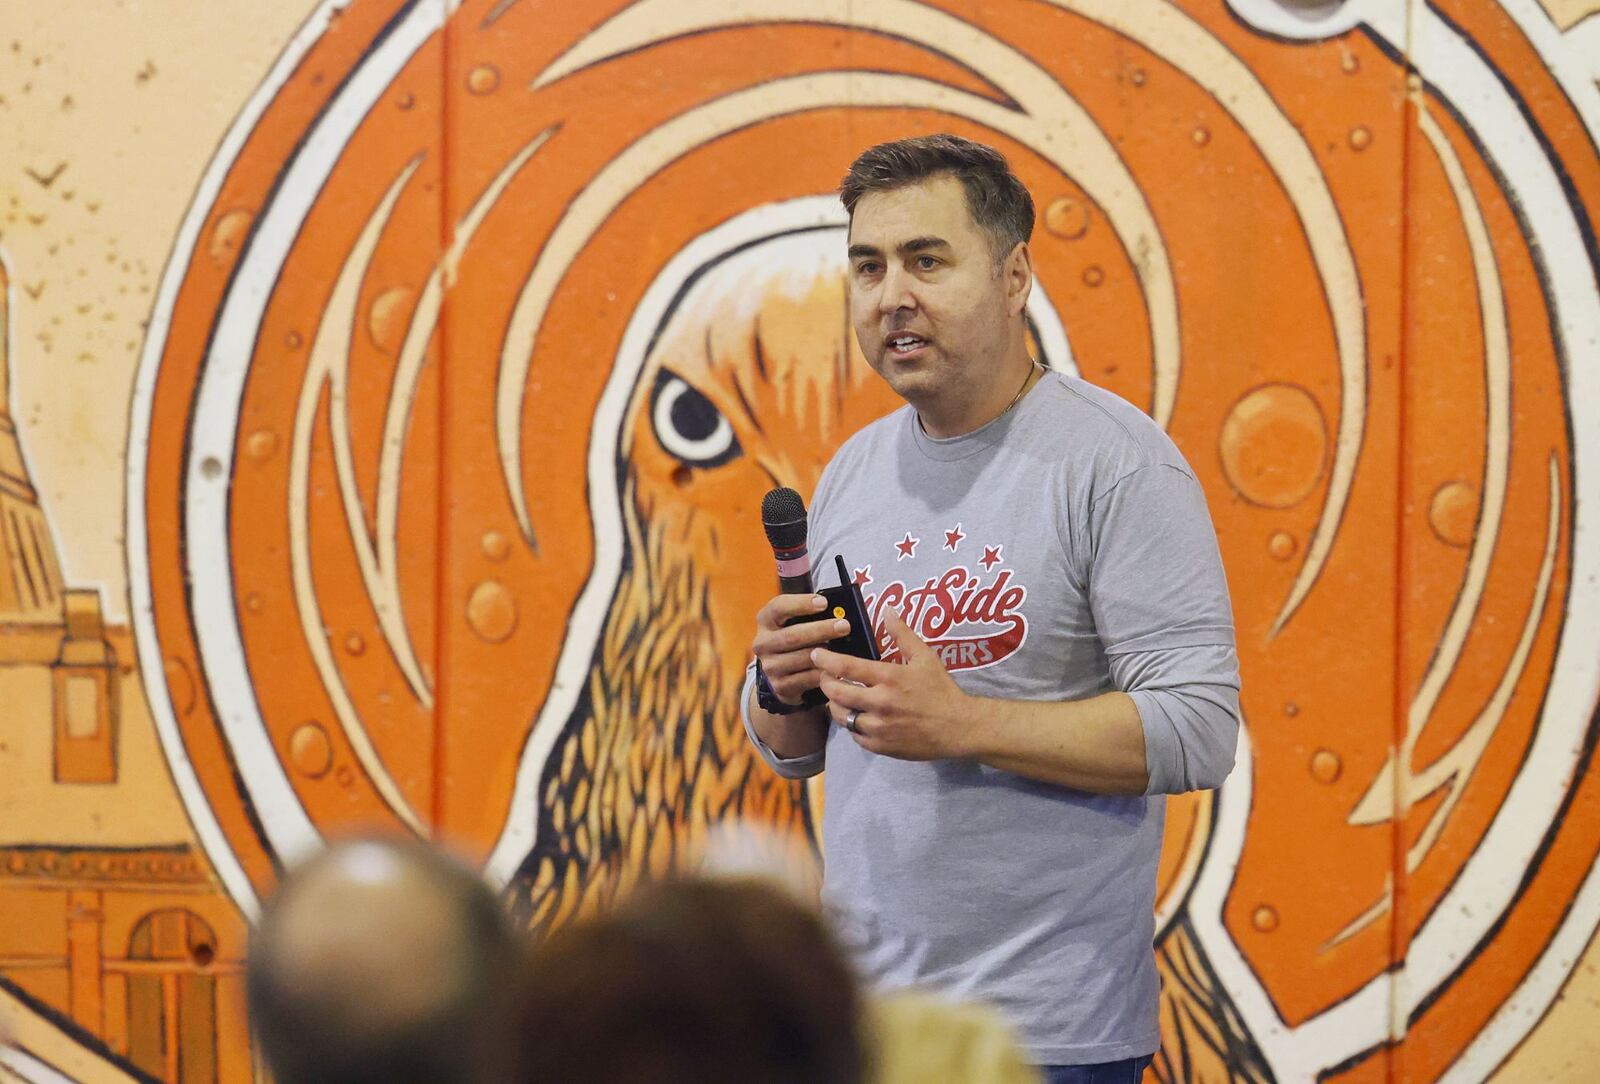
[[171, 997]]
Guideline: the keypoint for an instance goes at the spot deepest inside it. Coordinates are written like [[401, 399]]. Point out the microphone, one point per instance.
[[783, 516]]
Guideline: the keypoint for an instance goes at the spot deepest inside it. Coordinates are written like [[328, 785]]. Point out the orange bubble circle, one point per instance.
[[1282, 545], [386, 320], [1265, 918], [1453, 513], [261, 445], [181, 684], [496, 546], [1326, 766], [1274, 444], [309, 750], [484, 79], [228, 234], [1067, 217], [492, 612]]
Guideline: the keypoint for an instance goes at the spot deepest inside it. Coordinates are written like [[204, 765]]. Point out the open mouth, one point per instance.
[[904, 344]]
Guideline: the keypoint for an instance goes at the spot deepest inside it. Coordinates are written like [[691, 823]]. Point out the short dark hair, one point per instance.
[[998, 202], [691, 982]]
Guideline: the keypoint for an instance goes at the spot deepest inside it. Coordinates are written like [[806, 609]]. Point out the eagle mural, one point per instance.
[[492, 322]]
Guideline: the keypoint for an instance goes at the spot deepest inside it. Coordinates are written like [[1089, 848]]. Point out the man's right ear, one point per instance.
[[1018, 275]]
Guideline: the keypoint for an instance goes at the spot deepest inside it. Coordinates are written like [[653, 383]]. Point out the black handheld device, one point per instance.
[[845, 602]]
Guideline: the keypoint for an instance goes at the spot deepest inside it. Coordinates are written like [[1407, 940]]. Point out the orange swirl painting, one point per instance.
[[388, 389]]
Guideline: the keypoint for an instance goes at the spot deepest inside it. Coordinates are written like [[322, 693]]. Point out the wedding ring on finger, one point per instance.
[[850, 720]]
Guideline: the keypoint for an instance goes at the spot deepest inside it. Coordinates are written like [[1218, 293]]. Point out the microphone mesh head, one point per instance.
[[783, 514]]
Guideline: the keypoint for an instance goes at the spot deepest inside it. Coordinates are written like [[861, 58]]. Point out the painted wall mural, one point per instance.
[[395, 460]]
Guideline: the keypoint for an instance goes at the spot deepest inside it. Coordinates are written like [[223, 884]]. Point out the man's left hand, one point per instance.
[[911, 709]]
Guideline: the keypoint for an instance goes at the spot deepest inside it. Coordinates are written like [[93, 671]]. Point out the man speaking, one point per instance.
[[1058, 643]]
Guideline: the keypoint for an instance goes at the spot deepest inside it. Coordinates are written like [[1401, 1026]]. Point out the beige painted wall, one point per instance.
[[140, 809], [109, 112]]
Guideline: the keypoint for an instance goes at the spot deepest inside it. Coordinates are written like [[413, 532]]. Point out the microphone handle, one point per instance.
[[794, 569], [795, 585], [794, 578]]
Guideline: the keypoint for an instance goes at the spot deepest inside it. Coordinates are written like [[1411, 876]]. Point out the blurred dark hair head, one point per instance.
[[691, 982], [381, 961]]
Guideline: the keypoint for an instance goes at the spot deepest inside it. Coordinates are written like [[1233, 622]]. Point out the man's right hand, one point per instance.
[[784, 651]]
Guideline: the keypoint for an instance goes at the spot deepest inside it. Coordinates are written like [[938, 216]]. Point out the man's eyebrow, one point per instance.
[[916, 244]]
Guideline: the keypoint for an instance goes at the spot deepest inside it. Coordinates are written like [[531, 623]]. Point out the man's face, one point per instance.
[[931, 314]]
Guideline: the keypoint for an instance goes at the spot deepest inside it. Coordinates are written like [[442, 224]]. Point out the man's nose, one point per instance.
[[897, 292]]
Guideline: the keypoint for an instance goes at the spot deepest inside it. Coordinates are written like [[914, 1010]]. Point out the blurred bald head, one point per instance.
[[380, 960]]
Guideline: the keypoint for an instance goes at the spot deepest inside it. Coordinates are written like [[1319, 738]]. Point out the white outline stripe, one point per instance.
[[1489, 878], [30, 1068], [215, 433], [151, 662], [1495, 869], [1575, 61], [142, 615]]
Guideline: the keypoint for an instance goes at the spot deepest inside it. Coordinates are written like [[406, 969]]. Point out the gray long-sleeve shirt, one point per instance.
[[1062, 551]]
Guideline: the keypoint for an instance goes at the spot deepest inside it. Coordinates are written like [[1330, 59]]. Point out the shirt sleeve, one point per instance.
[[1155, 574], [791, 767], [1188, 702], [787, 767], [1160, 603]]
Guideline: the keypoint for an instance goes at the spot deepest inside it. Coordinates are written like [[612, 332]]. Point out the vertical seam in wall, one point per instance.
[[441, 508], [1398, 941]]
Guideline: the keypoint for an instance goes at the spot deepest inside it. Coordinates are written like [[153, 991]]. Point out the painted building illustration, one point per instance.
[[404, 376], [110, 920]]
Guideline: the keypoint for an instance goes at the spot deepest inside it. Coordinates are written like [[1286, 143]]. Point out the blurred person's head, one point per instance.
[[381, 961], [914, 1037], [691, 982]]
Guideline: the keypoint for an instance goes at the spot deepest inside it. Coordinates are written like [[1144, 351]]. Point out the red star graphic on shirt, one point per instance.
[[907, 547], [991, 557], [952, 539], [863, 576]]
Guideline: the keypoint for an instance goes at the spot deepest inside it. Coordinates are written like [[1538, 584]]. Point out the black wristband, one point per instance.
[[767, 697]]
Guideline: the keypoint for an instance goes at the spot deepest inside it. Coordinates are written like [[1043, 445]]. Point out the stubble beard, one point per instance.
[[939, 386], [920, 384]]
